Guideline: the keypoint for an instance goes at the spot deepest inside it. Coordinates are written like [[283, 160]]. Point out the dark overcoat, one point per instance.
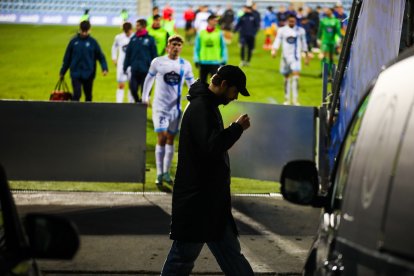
[[201, 204]]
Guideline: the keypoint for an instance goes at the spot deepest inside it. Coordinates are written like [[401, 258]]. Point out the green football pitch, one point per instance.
[[31, 57]]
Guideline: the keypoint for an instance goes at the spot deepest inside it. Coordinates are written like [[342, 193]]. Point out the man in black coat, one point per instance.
[[201, 204]]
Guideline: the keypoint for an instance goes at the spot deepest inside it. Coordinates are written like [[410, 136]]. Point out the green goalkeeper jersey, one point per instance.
[[329, 30]]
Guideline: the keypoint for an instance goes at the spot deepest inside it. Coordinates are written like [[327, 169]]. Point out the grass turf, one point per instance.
[[31, 57]]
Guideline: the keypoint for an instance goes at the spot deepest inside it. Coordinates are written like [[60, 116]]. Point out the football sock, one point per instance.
[[159, 158], [169, 154], [287, 90], [119, 95], [295, 86]]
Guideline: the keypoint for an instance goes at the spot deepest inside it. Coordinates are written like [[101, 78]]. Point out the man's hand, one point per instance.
[[104, 72], [273, 53], [147, 103], [114, 61], [244, 121]]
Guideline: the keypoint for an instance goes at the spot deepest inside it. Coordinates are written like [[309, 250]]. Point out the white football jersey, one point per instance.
[[119, 48], [293, 41], [169, 75]]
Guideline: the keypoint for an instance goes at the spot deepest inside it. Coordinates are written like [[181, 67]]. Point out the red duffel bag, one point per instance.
[[61, 92]]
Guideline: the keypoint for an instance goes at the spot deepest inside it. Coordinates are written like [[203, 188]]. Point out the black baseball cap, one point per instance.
[[235, 76]]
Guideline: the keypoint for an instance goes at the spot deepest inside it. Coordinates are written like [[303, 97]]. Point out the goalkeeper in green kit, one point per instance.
[[329, 36]]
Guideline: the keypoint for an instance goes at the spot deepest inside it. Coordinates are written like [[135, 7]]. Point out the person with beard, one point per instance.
[[140, 52], [201, 203], [293, 41]]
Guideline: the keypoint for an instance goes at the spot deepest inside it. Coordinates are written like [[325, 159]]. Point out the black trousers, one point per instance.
[[136, 81], [77, 85], [206, 69], [247, 43]]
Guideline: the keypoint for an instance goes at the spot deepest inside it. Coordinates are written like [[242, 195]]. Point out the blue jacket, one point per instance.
[[81, 56], [139, 54], [247, 25]]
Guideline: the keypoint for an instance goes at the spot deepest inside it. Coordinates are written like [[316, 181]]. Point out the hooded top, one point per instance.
[[201, 204]]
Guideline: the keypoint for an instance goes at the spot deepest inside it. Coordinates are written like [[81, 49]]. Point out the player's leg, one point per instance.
[[250, 46], [141, 80], [285, 71], [160, 155], [287, 87], [87, 89], [203, 72], [295, 67], [121, 79], [77, 89], [295, 87], [133, 86], [242, 50], [168, 157], [173, 128], [120, 92], [160, 121]]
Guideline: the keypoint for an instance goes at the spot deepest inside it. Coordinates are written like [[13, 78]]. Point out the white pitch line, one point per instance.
[[285, 244]]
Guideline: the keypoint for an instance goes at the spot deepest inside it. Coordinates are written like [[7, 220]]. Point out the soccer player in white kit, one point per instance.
[[118, 55], [293, 41], [169, 73]]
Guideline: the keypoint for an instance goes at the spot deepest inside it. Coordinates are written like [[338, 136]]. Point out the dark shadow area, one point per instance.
[[119, 220], [279, 216], [245, 229]]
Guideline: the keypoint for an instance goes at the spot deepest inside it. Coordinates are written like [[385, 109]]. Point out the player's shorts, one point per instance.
[[328, 47], [271, 31], [289, 65], [120, 75], [166, 120]]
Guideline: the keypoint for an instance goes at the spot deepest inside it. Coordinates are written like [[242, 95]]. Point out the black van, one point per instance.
[[367, 223]]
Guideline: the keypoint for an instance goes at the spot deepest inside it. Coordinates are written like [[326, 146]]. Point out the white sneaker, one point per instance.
[[286, 103]]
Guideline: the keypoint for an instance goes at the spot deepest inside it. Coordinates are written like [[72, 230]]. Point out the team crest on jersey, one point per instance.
[[146, 41], [87, 44], [209, 43], [172, 78], [291, 40], [329, 29]]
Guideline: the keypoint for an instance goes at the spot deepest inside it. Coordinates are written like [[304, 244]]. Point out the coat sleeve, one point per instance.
[[205, 130], [66, 59]]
